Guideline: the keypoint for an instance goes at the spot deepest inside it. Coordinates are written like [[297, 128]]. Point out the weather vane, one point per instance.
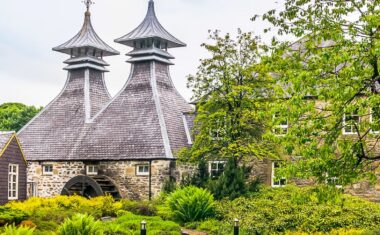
[[88, 3]]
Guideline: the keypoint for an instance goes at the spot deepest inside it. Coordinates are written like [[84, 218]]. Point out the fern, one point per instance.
[[80, 225], [13, 230]]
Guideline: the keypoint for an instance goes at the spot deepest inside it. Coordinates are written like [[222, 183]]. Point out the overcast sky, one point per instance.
[[31, 73]]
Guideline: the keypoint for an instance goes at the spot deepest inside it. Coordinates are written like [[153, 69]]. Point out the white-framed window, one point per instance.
[[216, 168], [375, 120], [281, 125], [142, 170], [47, 169], [13, 182], [92, 169], [350, 121], [276, 180], [218, 130]]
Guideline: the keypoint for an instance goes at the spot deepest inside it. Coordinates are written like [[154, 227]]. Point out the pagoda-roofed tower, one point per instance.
[[150, 40], [86, 48], [55, 131], [148, 117]]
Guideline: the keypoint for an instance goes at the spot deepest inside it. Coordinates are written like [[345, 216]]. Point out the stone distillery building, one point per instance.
[[86, 142]]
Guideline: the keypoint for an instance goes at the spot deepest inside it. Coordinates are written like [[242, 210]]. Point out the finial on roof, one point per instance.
[[88, 3]]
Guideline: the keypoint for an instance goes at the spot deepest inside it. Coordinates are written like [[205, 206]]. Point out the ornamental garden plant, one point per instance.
[[287, 210]]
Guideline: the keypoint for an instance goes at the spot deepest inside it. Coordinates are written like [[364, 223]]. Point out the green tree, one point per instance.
[[232, 102], [13, 116], [329, 86], [232, 98]]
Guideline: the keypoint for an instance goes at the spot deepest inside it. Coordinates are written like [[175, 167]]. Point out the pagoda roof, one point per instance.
[[150, 28], [86, 38]]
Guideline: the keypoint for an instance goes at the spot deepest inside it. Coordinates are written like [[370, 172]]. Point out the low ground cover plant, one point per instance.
[[10, 215]]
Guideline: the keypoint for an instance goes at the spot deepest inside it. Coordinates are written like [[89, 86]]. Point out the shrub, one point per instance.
[[276, 210], [169, 185], [232, 183], [10, 216], [129, 223], [13, 230], [80, 225], [191, 204], [139, 207]]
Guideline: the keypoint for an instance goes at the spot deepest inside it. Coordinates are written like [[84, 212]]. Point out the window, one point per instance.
[[281, 125], [92, 170], [13, 182], [47, 169], [142, 170], [277, 181], [350, 121], [375, 119], [217, 131], [216, 168]]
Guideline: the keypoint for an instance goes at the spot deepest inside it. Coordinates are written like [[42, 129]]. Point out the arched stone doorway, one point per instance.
[[90, 186]]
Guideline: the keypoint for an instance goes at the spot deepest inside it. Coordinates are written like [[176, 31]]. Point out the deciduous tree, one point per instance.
[[330, 86]]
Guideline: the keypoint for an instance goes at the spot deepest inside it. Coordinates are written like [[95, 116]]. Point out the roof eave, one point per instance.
[[67, 50]]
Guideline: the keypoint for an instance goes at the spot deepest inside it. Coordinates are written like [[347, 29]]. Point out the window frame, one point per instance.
[[284, 128], [345, 125], [88, 172], [142, 173], [44, 172], [13, 186], [273, 177], [218, 170]]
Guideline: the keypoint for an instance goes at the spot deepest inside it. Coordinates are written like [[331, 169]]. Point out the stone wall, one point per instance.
[[123, 174]]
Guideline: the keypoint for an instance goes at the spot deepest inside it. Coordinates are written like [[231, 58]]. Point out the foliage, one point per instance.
[[13, 116], [139, 207], [28, 223], [169, 185], [200, 178], [48, 213], [128, 223], [328, 84], [191, 204], [80, 224], [14, 230], [231, 101], [276, 210], [10, 215], [232, 183]]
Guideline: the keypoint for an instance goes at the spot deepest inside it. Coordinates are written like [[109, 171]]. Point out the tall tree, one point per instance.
[[329, 81], [13, 116], [231, 99]]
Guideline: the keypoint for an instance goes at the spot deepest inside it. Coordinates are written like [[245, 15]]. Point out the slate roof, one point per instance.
[[135, 124], [4, 139], [144, 121], [86, 38], [150, 28]]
